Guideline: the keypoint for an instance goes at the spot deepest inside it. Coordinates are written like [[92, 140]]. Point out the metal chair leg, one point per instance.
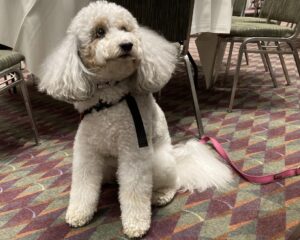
[[268, 61], [28, 105], [236, 78], [195, 70], [6, 83], [285, 71], [194, 95], [246, 56], [263, 57], [296, 55], [228, 65], [14, 89]]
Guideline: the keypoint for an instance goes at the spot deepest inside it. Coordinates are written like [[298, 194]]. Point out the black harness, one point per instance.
[[135, 113]]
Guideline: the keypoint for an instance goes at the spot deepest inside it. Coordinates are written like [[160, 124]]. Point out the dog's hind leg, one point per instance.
[[164, 174], [164, 164], [86, 183], [135, 180]]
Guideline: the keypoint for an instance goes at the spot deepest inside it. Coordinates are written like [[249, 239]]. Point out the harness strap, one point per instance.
[[135, 113], [100, 106], [251, 178], [138, 122]]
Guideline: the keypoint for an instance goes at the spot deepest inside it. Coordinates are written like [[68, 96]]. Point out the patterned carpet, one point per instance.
[[262, 135]]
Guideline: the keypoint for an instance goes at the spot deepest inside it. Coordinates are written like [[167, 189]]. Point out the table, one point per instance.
[[213, 19], [212, 16], [35, 27]]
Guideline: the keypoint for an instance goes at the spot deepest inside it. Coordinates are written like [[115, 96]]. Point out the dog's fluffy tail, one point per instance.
[[198, 169]]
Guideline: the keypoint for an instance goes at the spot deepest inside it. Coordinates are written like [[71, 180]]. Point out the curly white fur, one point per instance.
[[90, 65]]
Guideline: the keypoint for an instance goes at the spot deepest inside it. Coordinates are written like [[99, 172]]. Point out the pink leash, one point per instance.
[[251, 178]]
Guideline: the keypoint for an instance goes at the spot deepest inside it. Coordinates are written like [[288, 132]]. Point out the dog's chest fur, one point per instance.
[[112, 129]]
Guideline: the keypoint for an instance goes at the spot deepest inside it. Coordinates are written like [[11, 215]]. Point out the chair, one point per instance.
[[254, 8], [263, 15], [263, 34], [14, 89], [263, 18], [239, 7], [10, 71], [172, 19], [238, 11]]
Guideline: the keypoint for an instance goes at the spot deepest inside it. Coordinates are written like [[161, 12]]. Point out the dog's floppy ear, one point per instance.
[[158, 61], [63, 75]]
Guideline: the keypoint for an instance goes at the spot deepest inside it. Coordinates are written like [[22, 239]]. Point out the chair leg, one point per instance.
[[263, 57], [9, 90], [285, 71], [28, 106], [195, 70], [14, 89], [269, 66], [194, 95], [236, 78], [228, 63], [246, 56], [296, 56]]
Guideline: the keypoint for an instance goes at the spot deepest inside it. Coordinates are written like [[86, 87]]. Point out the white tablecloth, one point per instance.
[[212, 16], [35, 27]]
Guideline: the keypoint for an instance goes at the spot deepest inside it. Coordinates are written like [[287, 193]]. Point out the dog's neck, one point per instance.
[[106, 92], [106, 84]]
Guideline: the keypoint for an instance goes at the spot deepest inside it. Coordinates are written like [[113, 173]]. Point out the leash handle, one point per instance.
[[251, 178]]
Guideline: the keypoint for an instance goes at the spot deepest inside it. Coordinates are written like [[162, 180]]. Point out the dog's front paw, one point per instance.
[[77, 217], [162, 197], [136, 228]]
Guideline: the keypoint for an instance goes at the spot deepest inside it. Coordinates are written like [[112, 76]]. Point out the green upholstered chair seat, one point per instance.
[[9, 58], [244, 29], [248, 19], [251, 19]]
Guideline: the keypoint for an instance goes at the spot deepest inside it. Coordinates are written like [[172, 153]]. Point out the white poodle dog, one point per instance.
[[105, 56]]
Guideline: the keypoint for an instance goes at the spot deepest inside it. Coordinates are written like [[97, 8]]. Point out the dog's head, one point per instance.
[[104, 43]]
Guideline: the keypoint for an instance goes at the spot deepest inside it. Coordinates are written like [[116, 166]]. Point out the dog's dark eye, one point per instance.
[[100, 33], [124, 29]]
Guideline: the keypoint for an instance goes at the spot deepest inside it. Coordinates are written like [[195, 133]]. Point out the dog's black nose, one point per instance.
[[126, 47]]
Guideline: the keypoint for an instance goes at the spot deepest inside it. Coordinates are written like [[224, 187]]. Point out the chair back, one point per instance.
[[285, 11], [171, 18], [239, 7], [266, 8]]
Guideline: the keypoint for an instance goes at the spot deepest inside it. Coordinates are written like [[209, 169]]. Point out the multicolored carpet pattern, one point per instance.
[[262, 135]]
